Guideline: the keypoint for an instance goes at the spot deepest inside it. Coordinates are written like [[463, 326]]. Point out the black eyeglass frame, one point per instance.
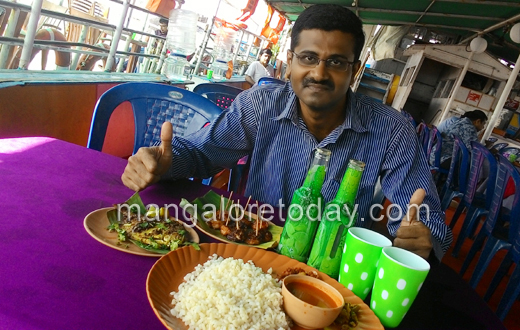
[[327, 62]]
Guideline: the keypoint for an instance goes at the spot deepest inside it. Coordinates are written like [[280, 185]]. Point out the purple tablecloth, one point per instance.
[[53, 275]]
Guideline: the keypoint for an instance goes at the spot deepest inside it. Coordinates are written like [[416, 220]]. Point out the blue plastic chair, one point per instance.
[[152, 105], [410, 118], [221, 95], [456, 182], [477, 204], [435, 147], [509, 151], [496, 236], [423, 132], [269, 80], [499, 146]]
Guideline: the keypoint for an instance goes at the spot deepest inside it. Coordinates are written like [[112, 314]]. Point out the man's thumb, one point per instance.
[[166, 137]]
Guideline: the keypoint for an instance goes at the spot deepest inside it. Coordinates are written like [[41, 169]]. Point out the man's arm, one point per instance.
[[250, 73], [405, 170], [249, 80]]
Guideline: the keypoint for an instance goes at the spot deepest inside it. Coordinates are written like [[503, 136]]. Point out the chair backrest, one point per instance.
[[507, 151], [500, 146], [459, 167], [479, 154], [506, 172], [435, 140], [423, 133], [221, 95], [152, 105], [410, 118], [269, 80]]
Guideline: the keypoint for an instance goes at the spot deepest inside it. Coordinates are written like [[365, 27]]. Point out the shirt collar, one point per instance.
[[355, 119]]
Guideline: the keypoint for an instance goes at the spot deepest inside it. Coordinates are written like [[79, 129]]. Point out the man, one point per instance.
[[279, 127], [163, 28], [260, 69], [465, 127]]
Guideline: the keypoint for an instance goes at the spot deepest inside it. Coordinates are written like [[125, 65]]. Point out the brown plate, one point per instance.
[[96, 224], [169, 271], [276, 231]]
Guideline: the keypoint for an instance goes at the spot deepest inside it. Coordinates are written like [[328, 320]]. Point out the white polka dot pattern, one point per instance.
[[401, 284], [384, 294], [359, 258], [381, 273], [364, 276]]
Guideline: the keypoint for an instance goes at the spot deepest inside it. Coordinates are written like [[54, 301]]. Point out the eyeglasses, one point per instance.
[[312, 61]]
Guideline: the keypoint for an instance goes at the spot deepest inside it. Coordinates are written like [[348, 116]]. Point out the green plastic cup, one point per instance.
[[399, 277], [359, 260], [209, 74]]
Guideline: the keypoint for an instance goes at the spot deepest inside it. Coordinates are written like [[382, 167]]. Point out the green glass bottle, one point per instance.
[[339, 215], [305, 209]]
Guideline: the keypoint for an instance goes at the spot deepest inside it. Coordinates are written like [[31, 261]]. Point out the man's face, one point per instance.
[[163, 27], [319, 87], [264, 58]]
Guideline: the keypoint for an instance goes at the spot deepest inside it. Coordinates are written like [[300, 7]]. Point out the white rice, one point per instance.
[[229, 294]]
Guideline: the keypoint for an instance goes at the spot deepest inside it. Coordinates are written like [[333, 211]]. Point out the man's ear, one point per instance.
[[355, 69]]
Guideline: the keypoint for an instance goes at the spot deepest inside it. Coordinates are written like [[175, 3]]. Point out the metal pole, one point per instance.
[[209, 27], [239, 44], [115, 38], [250, 46], [503, 98], [456, 88], [32, 26], [82, 38], [9, 32], [161, 59], [122, 59]]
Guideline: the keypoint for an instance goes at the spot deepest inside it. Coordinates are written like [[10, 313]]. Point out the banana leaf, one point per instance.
[[135, 200], [212, 198]]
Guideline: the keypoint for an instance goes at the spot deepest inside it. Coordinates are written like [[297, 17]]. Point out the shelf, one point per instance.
[[373, 88], [376, 78]]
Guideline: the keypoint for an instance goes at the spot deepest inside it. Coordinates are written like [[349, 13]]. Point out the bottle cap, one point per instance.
[[357, 164]]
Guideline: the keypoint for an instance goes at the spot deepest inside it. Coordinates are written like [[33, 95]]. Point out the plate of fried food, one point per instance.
[[133, 228], [227, 221], [224, 286]]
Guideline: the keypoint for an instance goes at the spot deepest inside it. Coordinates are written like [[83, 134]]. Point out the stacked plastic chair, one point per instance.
[[456, 182], [499, 237], [269, 80], [221, 95], [508, 151], [423, 132], [499, 146], [152, 105], [477, 204]]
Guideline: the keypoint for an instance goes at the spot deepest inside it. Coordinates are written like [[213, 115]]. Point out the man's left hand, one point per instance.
[[413, 235]]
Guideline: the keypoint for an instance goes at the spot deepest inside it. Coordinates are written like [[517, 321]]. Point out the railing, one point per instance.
[[153, 57]]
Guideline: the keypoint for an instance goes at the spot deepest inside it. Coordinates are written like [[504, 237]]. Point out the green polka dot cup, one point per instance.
[[399, 277], [361, 253]]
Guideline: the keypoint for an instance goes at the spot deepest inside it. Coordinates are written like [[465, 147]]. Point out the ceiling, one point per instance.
[[467, 18]]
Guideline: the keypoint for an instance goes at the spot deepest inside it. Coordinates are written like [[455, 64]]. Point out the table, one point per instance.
[[53, 275]]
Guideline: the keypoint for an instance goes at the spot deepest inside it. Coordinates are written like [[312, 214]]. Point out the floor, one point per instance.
[[512, 320]]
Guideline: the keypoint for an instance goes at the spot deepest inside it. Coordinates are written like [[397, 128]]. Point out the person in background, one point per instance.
[[465, 127], [261, 68], [163, 28], [280, 126]]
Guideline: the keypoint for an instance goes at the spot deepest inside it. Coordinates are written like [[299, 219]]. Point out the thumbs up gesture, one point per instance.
[[413, 235], [148, 164]]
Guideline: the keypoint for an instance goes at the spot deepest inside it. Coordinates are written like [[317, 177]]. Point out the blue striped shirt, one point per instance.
[[263, 122]]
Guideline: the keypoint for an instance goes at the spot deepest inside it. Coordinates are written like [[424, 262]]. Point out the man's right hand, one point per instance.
[[148, 164]]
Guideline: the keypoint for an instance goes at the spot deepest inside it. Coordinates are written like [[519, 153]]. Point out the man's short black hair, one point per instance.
[[329, 18], [266, 51], [474, 115], [163, 21]]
